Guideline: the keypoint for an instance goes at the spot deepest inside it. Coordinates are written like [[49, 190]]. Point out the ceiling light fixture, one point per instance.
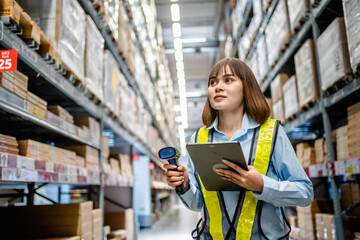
[[175, 12], [180, 66], [176, 27], [177, 44], [179, 55], [193, 40]]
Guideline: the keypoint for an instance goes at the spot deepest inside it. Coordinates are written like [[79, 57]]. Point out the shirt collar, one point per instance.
[[247, 123]]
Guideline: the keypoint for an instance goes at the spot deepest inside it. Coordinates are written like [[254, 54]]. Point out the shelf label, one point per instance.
[[36, 111], [50, 167], [4, 160], [340, 168], [8, 60], [26, 163]]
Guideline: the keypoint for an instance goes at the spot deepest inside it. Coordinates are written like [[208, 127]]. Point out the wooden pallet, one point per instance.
[[309, 104], [92, 95], [356, 70], [30, 31], [337, 85], [98, 5], [285, 42], [267, 5], [46, 48], [10, 13], [304, 17]]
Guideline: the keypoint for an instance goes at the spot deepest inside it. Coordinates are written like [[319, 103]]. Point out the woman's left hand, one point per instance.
[[250, 179]]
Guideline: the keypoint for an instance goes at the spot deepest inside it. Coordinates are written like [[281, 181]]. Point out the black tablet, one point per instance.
[[207, 158]]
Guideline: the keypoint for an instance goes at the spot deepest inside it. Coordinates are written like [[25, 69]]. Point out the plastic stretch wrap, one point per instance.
[[307, 82], [275, 86], [72, 37], [291, 104], [297, 10], [56, 18], [112, 17], [333, 53], [277, 31], [110, 82], [94, 57], [352, 20], [262, 58], [256, 20]]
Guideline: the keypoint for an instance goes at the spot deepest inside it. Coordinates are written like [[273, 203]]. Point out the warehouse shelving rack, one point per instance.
[[316, 116], [34, 174]]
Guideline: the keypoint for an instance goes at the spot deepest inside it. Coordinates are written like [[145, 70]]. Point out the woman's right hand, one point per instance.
[[177, 177]]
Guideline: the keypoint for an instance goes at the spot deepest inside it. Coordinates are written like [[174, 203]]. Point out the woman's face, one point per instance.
[[225, 91]]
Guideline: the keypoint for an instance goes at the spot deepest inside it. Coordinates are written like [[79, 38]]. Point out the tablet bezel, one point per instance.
[[214, 152]]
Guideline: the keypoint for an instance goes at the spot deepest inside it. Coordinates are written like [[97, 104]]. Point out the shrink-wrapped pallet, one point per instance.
[[352, 21], [305, 67], [333, 53], [112, 17], [278, 111], [277, 32], [255, 21], [262, 58], [291, 104], [111, 97], [276, 85], [94, 57], [63, 21], [297, 11]]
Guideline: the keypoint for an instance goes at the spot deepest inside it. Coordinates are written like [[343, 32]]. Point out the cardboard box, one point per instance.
[[52, 220], [262, 58], [90, 154], [111, 85], [291, 104], [276, 86], [56, 18], [297, 11], [92, 124], [333, 53], [34, 149], [97, 222], [320, 150], [309, 157], [342, 151], [105, 148], [278, 111], [277, 32], [12, 9], [94, 46], [121, 220], [36, 100], [306, 75], [61, 112], [352, 22]]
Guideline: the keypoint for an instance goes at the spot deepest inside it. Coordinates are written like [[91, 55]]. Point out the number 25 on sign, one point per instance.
[[8, 60]]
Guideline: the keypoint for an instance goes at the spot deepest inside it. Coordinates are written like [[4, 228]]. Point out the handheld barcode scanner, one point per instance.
[[172, 155]]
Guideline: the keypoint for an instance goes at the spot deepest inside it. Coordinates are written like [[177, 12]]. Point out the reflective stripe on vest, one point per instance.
[[211, 199], [247, 215]]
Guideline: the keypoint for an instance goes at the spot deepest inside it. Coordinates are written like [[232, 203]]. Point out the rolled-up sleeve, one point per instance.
[[293, 187]]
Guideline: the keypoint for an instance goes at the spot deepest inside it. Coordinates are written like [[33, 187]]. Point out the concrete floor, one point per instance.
[[176, 224]]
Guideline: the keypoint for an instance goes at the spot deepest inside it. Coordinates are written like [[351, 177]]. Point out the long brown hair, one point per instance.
[[254, 100]]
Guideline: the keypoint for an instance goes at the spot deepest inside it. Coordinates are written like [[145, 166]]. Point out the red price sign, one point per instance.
[[8, 60]]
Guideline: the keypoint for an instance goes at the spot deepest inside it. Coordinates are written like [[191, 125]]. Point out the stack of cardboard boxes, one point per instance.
[[32, 98], [97, 221], [277, 96], [305, 154], [8, 144], [350, 195], [290, 93], [61, 112], [90, 154], [121, 220], [91, 124], [341, 136], [320, 150], [15, 82], [34, 149], [325, 229], [353, 131], [306, 217], [115, 166], [60, 220]]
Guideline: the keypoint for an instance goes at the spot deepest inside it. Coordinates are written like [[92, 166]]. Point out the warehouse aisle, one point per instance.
[[177, 224]]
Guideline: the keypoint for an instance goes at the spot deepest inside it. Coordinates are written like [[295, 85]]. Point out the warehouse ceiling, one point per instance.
[[201, 31]]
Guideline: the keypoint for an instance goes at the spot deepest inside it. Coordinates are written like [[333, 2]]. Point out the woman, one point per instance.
[[236, 110]]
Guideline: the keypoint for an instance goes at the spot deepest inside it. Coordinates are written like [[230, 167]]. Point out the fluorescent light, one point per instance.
[[180, 74], [177, 44], [175, 12], [173, 0], [176, 27], [182, 140], [193, 94], [184, 119], [179, 55], [177, 108], [180, 66], [193, 40]]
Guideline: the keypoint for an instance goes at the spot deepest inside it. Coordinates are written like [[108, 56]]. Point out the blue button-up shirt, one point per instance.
[[286, 183]]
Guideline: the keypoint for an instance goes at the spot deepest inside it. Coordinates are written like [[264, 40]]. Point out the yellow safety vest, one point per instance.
[[247, 215]]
